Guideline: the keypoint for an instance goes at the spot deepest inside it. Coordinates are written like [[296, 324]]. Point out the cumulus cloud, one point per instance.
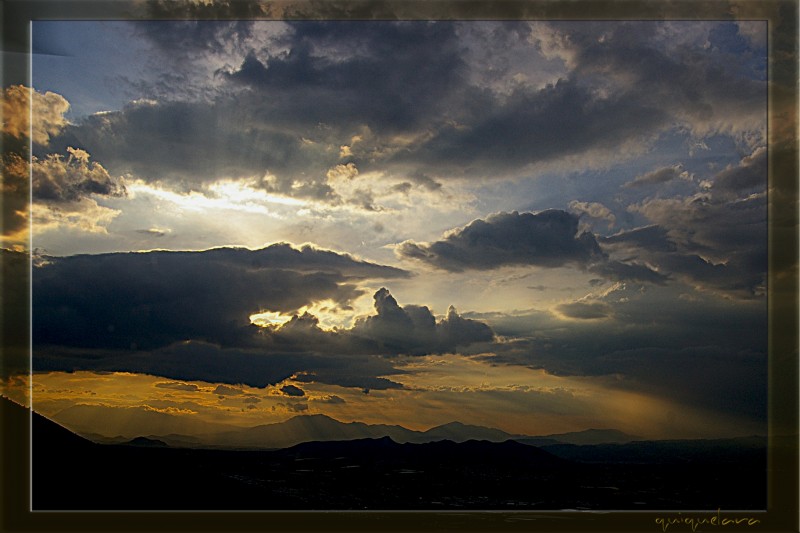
[[59, 180], [414, 330], [21, 103], [549, 238], [65, 192]]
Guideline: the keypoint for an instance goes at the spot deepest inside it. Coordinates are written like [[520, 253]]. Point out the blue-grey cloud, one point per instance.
[[549, 238], [654, 177]]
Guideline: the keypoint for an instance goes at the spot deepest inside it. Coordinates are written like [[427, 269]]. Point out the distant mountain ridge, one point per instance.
[[319, 427], [587, 436], [177, 431]]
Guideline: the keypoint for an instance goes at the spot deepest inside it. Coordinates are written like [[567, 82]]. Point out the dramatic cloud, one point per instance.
[[200, 361], [153, 299], [185, 316], [713, 351], [19, 105], [549, 239], [362, 134], [47, 110], [65, 192], [55, 180], [413, 329], [714, 239], [417, 98]]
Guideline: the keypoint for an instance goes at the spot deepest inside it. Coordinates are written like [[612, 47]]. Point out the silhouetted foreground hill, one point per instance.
[[70, 472]]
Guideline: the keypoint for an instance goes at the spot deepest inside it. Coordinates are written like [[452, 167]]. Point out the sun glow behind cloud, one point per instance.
[[222, 195], [517, 119]]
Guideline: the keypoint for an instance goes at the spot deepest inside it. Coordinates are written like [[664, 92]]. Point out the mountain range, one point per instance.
[[177, 432]]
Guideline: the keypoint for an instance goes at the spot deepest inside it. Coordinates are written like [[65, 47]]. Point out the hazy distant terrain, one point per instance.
[[70, 472], [178, 432]]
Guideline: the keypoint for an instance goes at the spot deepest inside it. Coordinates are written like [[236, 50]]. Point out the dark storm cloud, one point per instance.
[[701, 86], [200, 361], [291, 390], [558, 121], [714, 240], [152, 299], [193, 35], [185, 316], [549, 238], [622, 87], [393, 330], [389, 76], [289, 104], [707, 352]]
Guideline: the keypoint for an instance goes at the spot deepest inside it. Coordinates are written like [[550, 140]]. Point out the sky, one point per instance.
[[539, 226]]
